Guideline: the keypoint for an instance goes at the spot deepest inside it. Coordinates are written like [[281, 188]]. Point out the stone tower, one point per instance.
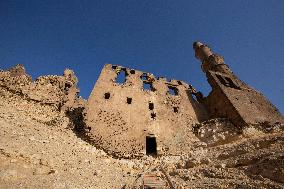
[[230, 97]]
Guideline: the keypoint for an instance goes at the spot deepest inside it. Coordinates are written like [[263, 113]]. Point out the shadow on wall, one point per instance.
[[76, 117]]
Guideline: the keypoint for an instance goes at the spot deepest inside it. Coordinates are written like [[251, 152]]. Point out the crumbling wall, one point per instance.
[[232, 98], [121, 115], [58, 91], [48, 99]]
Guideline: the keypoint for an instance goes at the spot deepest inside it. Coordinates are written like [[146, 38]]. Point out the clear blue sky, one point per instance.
[[149, 35]]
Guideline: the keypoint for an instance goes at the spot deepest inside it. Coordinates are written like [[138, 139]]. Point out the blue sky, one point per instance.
[[149, 35]]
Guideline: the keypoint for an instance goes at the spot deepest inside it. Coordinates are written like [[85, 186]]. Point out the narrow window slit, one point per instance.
[[151, 106], [194, 96], [179, 82]]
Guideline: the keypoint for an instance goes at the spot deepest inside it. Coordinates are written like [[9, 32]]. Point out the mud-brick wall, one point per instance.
[[121, 115], [240, 103]]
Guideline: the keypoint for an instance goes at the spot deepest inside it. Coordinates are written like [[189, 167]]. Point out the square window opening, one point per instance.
[[132, 71], [129, 100], [107, 95], [176, 109]]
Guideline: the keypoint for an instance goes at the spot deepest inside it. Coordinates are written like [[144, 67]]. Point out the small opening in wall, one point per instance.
[[179, 82], [231, 83], [151, 106], [144, 77], [129, 100], [176, 109], [67, 86], [148, 86], [222, 80], [151, 146], [114, 67], [132, 71], [172, 90], [153, 115], [121, 76], [227, 81], [194, 96], [107, 95]]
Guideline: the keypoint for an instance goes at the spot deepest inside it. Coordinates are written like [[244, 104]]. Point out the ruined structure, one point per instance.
[[230, 97], [43, 143], [140, 114], [52, 90]]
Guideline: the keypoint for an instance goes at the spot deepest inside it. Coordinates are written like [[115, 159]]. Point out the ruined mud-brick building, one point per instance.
[[230, 97], [132, 113]]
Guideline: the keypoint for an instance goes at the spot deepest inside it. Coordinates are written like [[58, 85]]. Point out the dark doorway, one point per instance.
[[151, 146]]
